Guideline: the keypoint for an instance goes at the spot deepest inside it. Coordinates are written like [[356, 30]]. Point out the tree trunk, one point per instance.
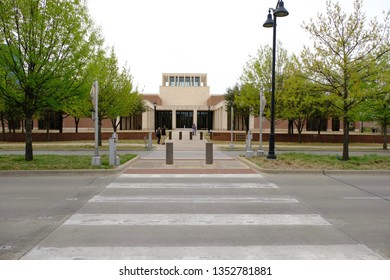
[[60, 123], [2, 123], [47, 127], [319, 125], [346, 139], [290, 127], [76, 121], [100, 133], [114, 124], [385, 136], [29, 148], [247, 123]]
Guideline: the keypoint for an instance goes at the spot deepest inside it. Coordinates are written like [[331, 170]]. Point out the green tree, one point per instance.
[[48, 43], [344, 57], [256, 76], [117, 96], [230, 97], [377, 108], [128, 101], [296, 99]]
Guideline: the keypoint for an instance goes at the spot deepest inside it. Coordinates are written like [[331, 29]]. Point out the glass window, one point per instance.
[[197, 81], [188, 81], [181, 81], [184, 119], [172, 81]]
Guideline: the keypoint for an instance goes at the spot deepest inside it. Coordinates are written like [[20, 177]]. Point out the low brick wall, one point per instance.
[[71, 136], [216, 135], [305, 138]]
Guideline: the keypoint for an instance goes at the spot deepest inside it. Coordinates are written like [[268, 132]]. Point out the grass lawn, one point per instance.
[[55, 162], [323, 162]]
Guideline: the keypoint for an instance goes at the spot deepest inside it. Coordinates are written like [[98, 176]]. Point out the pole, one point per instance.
[[96, 161], [155, 118], [271, 152], [260, 151], [231, 127]]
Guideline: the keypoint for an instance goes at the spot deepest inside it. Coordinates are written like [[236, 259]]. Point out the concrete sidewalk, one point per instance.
[[189, 158]]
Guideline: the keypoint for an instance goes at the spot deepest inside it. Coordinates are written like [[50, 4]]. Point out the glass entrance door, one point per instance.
[[184, 119]]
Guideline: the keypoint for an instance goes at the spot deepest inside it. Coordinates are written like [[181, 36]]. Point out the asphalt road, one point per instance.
[[31, 207], [356, 204], [269, 216]]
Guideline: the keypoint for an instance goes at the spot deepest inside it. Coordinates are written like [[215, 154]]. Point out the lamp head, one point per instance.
[[269, 22], [281, 11]]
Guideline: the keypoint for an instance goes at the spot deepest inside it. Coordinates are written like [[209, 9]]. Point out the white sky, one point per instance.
[[203, 36]]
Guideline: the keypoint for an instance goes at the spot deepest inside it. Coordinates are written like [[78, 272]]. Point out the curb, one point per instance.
[[75, 172], [310, 171]]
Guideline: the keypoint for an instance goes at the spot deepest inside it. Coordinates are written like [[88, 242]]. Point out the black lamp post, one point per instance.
[[279, 11], [155, 116], [209, 119]]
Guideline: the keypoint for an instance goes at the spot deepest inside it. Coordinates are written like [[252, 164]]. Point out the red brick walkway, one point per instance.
[[188, 171]]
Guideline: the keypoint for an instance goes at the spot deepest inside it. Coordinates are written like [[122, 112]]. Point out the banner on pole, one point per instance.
[[262, 102], [92, 94]]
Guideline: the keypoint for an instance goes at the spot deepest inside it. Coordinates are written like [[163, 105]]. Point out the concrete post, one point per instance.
[[150, 146], [113, 157], [249, 151], [209, 153], [169, 153]]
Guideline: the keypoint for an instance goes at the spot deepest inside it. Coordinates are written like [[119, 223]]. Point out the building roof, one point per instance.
[[215, 99], [152, 98]]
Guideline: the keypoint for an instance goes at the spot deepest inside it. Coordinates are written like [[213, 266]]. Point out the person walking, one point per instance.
[[193, 129], [163, 134], [158, 135]]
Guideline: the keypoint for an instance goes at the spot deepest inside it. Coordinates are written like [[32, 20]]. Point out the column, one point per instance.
[[195, 117], [173, 118]]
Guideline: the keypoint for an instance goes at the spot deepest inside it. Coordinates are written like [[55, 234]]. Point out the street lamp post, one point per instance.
[[231, 146], [209, 119], [155, 116], [279, 11], [260, 151]]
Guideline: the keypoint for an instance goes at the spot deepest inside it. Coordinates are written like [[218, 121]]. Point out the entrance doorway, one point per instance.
[[184, 119]]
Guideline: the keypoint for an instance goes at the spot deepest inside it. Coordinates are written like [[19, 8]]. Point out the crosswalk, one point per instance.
[[200, 216]]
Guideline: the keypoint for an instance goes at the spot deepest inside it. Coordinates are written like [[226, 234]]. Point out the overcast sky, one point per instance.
[[204, 36]]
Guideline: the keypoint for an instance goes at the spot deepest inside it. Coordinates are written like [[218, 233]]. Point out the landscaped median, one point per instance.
[[57, 162], [299, 161]]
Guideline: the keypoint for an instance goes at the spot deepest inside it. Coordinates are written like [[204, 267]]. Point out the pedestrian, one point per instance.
[[193, 129], [158, 135], [163, 134]]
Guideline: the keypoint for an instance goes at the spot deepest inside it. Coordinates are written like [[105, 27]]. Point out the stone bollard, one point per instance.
[[150, 142], [180, 135], [190, 135], [201, 135], [169, 153], [249, 151], [209, 153], [113, 158]]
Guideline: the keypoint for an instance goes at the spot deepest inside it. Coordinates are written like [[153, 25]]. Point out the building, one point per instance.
[[184, 99]]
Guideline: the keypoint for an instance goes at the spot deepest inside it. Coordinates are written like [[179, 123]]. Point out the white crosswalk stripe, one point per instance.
[[196, 216], [192, 185], [194, 219], [289, 252], [192, 199]]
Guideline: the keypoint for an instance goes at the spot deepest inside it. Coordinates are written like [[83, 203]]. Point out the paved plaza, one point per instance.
[[193, 210]]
